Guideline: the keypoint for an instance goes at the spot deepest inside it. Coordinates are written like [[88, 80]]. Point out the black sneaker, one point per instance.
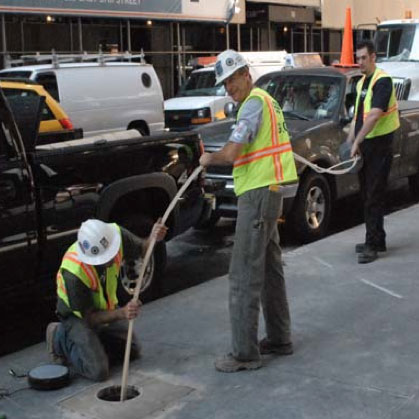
[[368, 255], [267, 347], [360, 247]]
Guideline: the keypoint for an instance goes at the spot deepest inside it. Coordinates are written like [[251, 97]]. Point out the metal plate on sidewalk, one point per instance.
[[155, 395]]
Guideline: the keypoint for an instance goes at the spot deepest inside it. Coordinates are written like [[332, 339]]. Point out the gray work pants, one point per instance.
[[89, 351], [256, 274]]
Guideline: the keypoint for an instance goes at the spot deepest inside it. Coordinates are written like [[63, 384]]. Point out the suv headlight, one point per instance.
[[201, 116]]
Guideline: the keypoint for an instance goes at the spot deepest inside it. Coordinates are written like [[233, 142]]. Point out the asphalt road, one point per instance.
[[198, 256]]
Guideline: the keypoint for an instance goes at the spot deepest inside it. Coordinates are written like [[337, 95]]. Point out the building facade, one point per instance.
[[174, 32]]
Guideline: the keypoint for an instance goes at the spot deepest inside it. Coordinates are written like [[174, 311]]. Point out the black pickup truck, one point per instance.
[[46, 192], [318, 107]]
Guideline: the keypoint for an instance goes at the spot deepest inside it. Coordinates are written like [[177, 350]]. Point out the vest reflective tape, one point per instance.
[[260, 154], [268, 159], [102, 299], [388, 121], [87, 269], [279, 175]]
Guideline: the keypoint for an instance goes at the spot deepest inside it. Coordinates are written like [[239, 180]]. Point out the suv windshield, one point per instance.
[[201, 83], [394, 43], [304, 97]]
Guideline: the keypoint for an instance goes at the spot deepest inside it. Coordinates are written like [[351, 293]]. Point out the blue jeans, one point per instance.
[[90, 352]]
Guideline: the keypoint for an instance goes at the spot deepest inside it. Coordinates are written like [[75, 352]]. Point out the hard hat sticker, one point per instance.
[[85, 245], [94, 250], [218, 68], [104, 242]]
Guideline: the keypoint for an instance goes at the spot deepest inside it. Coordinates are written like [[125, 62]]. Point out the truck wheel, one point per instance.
[[311, 210], [209, 223], [151, 284], [414, 185]]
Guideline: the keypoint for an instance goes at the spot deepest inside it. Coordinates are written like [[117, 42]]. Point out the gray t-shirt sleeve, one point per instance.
[[247, 126]]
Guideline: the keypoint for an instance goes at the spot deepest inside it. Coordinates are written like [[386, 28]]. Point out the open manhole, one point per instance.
[[113, 393]]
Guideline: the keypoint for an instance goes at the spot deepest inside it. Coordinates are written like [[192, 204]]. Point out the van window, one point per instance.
[[49, 81], [146, 79], [46, 114], [201, 83], [15, 74]]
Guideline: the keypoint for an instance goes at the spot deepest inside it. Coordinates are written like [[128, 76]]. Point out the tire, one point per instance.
[[210, 223], [311, 210], [414, 186], [151, 284]]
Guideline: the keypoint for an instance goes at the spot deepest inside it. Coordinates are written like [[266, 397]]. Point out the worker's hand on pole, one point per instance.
[[132, 309], [159, 231]]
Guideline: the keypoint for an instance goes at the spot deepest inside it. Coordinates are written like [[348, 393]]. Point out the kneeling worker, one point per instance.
[[93, 330]]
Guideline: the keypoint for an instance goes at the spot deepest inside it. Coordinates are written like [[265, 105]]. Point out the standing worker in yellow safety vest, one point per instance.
[[260, 149], [371, 135], [93, 329]]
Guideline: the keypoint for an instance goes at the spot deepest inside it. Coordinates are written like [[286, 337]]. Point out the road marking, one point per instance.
[[393, 294], [322, 262]]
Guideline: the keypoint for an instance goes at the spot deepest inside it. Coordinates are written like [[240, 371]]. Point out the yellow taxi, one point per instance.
[[53, 118]]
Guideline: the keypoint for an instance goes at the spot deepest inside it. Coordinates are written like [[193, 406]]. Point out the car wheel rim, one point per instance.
[[315, 207], [130, 274]]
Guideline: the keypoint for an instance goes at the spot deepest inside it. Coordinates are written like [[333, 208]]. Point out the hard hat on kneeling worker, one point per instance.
[[97, 242], [228, 62]]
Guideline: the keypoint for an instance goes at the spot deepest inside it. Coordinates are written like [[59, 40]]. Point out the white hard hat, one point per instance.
[[228, 62], [97, 242]]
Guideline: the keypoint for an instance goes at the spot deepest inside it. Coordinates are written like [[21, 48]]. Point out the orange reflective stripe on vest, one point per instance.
[[279, 175], [265, 152], [90, 273]]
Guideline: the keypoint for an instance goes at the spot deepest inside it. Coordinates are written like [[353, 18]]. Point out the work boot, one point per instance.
[[230, 364], [359, 248], [266, 347], [50, 334], [368, 255]]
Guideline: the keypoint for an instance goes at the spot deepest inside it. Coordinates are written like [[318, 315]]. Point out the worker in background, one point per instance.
[[260, 150], [93, 329], [371, 135]]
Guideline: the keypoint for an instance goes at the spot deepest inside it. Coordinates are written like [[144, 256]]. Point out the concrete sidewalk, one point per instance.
[[355, 331]]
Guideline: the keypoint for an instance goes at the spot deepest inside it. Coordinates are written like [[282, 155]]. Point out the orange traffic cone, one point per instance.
[[347, 54]]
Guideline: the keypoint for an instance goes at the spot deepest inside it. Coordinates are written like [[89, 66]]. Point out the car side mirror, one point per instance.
[[351, 112], [348, 118], [230, 109]]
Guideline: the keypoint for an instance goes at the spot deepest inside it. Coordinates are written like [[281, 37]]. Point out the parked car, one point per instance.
[[47, 191], [317, 130], [55, 123], [102, 96]]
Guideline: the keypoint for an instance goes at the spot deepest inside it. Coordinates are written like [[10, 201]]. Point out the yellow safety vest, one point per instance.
[[389, 121], [89, 276], [268, 159]]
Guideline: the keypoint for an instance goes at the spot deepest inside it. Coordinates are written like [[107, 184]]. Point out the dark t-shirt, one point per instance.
[[79, 295], [381, 93]]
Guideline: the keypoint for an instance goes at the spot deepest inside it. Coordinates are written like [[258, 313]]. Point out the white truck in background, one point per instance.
[[199, 101], [397, 46]]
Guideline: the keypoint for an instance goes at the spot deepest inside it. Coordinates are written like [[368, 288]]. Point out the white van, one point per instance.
[[102, 97], [199, 101]]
